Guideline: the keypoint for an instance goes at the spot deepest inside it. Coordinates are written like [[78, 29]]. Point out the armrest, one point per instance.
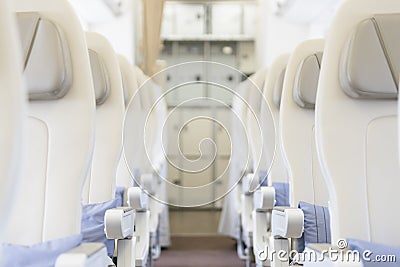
[[137, 199], [264, 198], [86, 255], [261, 236], [148, 183], [142, 234], [319, 248], [246, 218], [287, 222], [119, 223], [154, 219]]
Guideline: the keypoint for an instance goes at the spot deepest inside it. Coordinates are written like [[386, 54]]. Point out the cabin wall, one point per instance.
[[280, 33], [120, 32], [116, 31], [117, 24]]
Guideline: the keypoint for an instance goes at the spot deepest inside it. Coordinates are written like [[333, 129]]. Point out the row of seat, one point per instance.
[[68, 191], [327, 168]]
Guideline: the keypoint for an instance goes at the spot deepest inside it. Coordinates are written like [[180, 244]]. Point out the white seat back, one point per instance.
[[239, 166], [129, 80], [248, 108], [136, 115], [240, 157], [253, 123], [160, 145], [154, 112], [356, 119], [130, 86], [297, 121], [100, 185], [270, 124], [60, 125], [12, 115]]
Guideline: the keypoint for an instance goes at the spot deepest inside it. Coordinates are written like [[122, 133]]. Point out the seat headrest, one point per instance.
[[278, 88], [371, 60], [101, 81], [306, 81], [47, 61]]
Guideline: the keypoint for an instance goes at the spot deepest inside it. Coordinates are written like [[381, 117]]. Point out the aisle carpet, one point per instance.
[[200, 251]]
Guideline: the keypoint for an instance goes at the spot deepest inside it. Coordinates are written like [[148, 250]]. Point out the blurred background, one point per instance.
[[245, 35]]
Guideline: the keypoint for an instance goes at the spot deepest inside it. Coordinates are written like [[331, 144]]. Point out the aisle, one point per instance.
[[200, 251]]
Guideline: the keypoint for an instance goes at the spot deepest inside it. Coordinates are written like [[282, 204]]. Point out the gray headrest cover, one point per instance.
[[371, 61], [278, 88], [47, 61], [100, 78], [306, 81]]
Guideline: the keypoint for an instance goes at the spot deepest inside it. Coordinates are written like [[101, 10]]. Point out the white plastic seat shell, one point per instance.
[[271, 161], [155, 147], [252, 112], [297, 134], [129, 80], [130, 86], [253, 121], [12, 117], [100, 184], [60, 143], [229, 223], [356, 140], [134, 156], [270, 124]]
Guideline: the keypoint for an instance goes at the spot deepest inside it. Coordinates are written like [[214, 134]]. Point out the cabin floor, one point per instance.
[[200, 251], [195, 241], [194, 221]]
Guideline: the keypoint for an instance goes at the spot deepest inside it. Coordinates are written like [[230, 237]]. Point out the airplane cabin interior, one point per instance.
[[193, 133]]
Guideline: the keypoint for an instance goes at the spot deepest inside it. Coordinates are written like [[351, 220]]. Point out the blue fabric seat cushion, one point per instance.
[[281, 194], [375, 249], [281, 189], [38, 255], [263, 177], [119, 196], [92, 225], [316, 225]]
